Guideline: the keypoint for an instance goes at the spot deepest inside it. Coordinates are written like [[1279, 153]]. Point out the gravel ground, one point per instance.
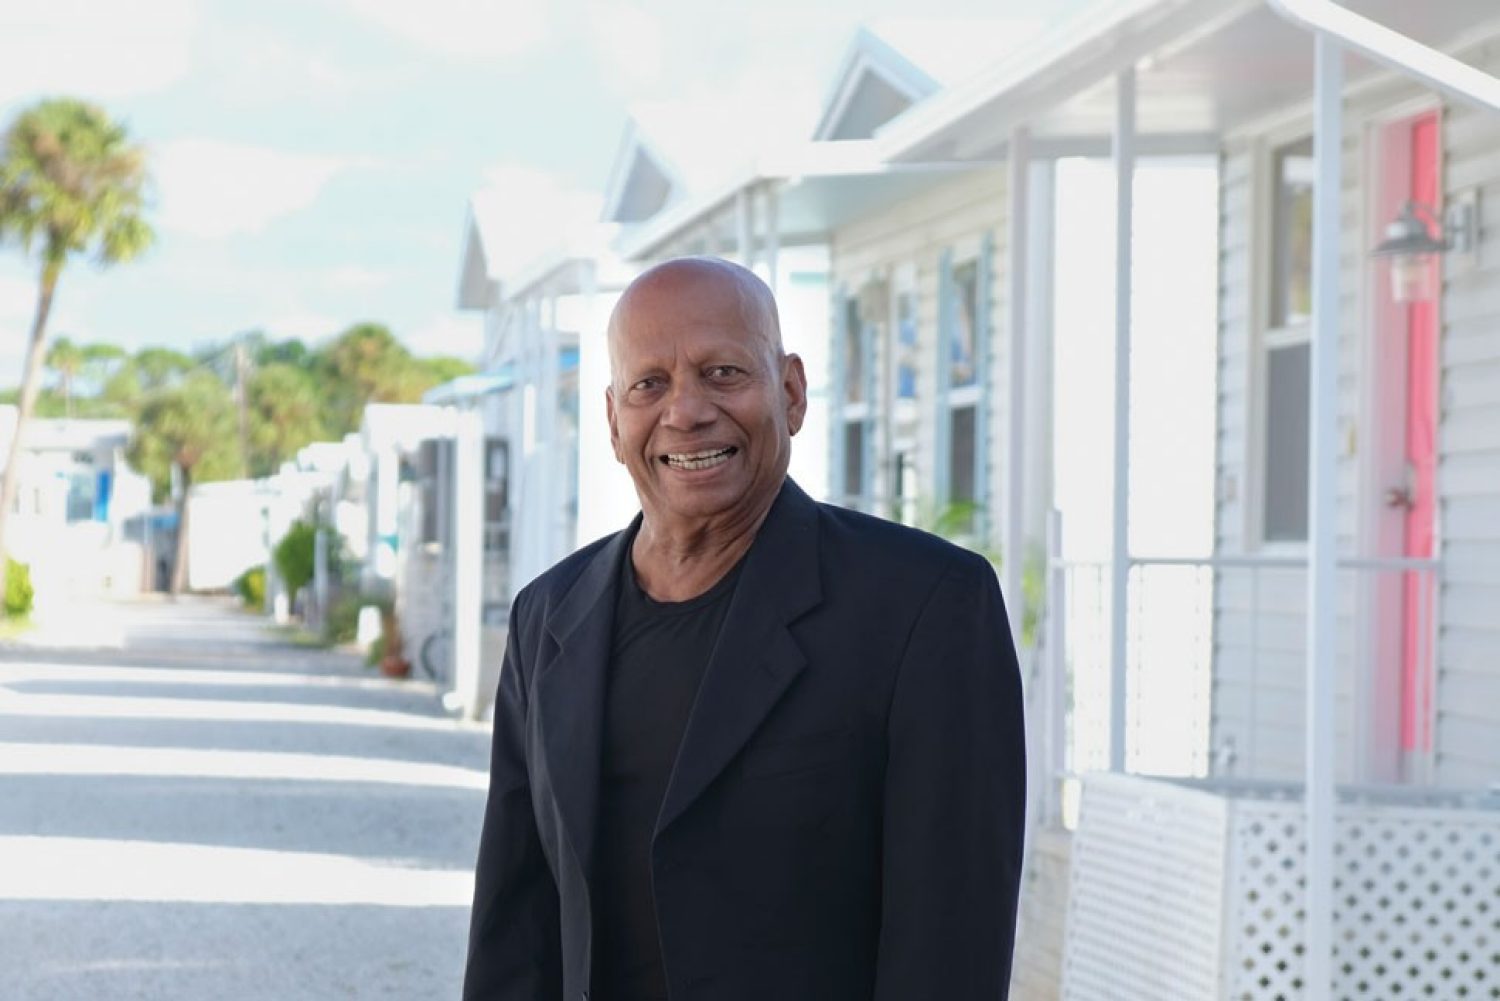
[[191, 807]]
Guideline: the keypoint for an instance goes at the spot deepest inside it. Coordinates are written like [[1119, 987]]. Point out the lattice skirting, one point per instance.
[[1189, 890]]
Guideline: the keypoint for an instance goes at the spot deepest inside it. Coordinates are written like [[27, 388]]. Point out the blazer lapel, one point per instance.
[[755, 658], [570, 693]]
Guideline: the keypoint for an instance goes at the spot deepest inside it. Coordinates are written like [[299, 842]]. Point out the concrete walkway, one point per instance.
[[190, 807]]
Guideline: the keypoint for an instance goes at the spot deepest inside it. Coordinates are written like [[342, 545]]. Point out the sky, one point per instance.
[[312, 159]]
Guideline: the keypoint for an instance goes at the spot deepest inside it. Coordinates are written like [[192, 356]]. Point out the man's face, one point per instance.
[[703, 404]]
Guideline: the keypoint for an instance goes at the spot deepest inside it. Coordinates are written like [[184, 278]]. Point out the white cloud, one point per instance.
[[629, 42], [448, 334], [352, 278], [524, 213], [310, 327], [257, 66], [482, 29], [17, 299], [104, 51], [217, 189]]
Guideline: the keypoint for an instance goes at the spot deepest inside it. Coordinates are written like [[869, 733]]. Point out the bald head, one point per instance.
[[664, 286], [703, 401]]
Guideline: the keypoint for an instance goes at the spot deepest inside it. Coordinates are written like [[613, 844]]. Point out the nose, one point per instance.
[[688, 407]]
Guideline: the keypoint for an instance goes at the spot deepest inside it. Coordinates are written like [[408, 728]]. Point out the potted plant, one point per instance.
[[387, 650]]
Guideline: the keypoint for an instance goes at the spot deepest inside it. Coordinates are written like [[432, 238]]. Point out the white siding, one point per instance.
[[1266, 728], [955, 217], [1468, 699]]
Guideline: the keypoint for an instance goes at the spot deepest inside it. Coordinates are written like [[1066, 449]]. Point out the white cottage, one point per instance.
[[79, 507], [1412, 407], [1400, 437]]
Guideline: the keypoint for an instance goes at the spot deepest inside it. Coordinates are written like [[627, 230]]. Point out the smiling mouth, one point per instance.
[[699, 460]]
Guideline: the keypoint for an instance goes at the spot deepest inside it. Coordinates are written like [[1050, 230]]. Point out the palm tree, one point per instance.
[[65, 358], [70, 182]]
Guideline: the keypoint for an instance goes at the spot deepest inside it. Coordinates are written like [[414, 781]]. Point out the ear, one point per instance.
[[614, 424], [794, 386]]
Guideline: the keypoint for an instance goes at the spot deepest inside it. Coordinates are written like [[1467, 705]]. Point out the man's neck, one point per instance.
[[677, 566]]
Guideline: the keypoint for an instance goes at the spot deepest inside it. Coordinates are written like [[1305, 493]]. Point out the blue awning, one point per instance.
[[471, 387]]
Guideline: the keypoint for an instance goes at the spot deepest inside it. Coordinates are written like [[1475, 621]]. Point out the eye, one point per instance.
[[646, 385], [721, 373]]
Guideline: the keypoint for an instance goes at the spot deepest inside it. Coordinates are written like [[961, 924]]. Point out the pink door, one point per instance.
[[1418, 589]]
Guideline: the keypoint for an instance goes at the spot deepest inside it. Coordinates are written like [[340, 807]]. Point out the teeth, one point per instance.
[[699, 460]]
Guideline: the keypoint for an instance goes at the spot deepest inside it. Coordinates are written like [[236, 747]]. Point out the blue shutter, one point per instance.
[[837, 486], [943, 416], [867, 438], [103, 492], [983, 335]]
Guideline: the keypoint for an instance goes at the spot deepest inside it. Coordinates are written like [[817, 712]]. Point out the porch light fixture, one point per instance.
[[1415, 239]]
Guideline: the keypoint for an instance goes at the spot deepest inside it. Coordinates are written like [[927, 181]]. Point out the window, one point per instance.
[[962, 455], [861, 328], [496, 495], [854, 458], [1288, 382], [854, 353], [961, 448], [1291, 236], [1286, 357], [906, 346], [81, 495], [434, 469], [963, 336]]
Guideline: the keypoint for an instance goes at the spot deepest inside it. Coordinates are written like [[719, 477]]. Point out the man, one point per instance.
[[753, 748]]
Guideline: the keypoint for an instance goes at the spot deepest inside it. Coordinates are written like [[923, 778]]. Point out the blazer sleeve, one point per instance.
[[955, 799], [515, 932]]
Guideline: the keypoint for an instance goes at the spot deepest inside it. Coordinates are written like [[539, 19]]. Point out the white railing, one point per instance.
[[1214, 653]]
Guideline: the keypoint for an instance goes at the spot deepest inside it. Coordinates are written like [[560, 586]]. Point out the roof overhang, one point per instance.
[[1203, 68], [466, 388], [589, 263], [819, 186]]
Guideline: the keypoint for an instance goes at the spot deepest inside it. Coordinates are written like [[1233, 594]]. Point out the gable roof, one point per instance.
[[678, 149], [522, 218], [874, 84], [893, 63], [641, 181]]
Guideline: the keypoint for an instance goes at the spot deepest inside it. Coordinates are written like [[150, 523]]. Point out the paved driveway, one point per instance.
[[191, 808]]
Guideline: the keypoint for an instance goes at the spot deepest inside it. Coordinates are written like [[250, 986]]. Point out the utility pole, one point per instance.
[[242, 403]]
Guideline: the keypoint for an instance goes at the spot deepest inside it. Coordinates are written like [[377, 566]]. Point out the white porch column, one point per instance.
[[773, 235], [744, 230], [467, 561], [1322, 580], [549, 460], [1119, 553], [1041, 249], [1012, 544]]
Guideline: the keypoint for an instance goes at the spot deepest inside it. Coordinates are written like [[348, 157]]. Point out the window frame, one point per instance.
[[1268, 337], [976, 394], [864, 411]]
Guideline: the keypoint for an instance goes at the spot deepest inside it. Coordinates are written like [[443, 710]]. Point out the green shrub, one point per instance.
[[251, 587], [376, 653], [19, 593], [294, 555], [342, 622]]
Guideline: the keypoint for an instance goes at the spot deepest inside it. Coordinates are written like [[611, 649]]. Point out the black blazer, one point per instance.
[[846, 814]]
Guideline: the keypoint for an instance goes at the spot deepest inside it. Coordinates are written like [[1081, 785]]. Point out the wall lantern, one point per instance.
[[1416, 238]]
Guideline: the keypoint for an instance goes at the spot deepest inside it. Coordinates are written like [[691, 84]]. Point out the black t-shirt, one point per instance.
[[657, 656]]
